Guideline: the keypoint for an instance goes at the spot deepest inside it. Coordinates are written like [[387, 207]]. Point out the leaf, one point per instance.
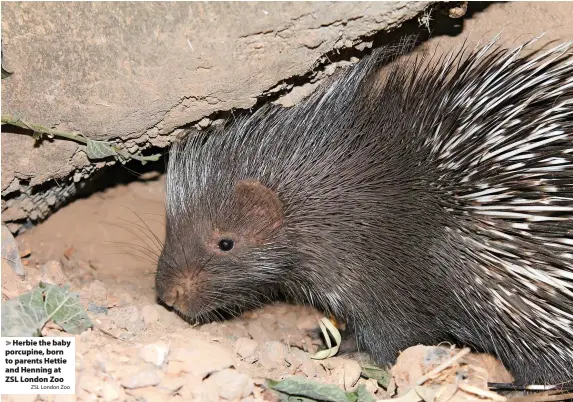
[[65, 309], [300, 387], [382, 375], [6, 74], [326, 326], [99, 149], [24, 315], [363, 394], [27, 314]]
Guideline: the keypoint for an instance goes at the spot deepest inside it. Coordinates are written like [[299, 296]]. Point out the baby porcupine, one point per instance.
[[429, 203]]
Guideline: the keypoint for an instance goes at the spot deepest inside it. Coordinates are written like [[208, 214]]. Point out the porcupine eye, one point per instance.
[[226, 244]]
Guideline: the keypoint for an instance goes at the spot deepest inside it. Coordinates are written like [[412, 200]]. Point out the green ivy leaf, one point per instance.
[[363, 394], [300, 387], [65, 309], [100, 149], [24, 315], [27, 314], [382, 375]]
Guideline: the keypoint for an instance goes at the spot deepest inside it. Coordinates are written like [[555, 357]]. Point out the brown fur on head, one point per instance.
[[248, 219]]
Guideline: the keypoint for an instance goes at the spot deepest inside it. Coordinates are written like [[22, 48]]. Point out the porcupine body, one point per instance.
[[419, 205]]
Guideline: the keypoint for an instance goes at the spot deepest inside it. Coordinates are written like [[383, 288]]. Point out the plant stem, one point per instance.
[[14, 121], [37, 128]]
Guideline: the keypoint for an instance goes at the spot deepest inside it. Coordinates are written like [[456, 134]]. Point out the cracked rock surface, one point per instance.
[[137, 72]]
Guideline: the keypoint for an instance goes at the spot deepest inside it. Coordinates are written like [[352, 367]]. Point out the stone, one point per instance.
[[111, 391], [202, 358], [300, 361], [346, 371], [52, 272], [231, 385], [149, 394], [272, 355], [154, 353], [128, 318], [10, 252], [98, 292], [171, 383], [140, 379], [174, 367], [150, 314], [246, 347]]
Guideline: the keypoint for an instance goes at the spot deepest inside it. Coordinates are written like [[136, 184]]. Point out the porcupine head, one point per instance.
[[359, 201]]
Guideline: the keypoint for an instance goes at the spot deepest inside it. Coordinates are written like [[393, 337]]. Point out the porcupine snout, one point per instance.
[[177, 288]]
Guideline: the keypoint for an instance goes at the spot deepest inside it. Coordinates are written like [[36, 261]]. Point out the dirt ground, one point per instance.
[[105, 246]]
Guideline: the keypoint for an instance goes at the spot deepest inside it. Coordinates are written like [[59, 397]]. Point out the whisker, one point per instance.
[[130, 231], [159, 243], [134, 255], [155, 242], [135, 246]]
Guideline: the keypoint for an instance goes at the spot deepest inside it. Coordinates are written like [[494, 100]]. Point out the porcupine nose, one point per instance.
[[174, 297]]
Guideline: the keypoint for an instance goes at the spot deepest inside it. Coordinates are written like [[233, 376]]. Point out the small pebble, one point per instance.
[[126, 336], [90, 382], [144, 378], [154, 353], [175, 367], [148, 394], [259, 333], [231, 385], [98, 293], [106, 324], [125, 298], [52, 272], [246, 347], [150, 314], [202, 358], [272, 355], [85, 396], [24, 248], [215, 329], [11, 283], [94, 308], [300, 361], [129, 318], [193, 389], [345, 370], [10, 252], [352, 371], [238, 330], [111, 391], [171, 383]]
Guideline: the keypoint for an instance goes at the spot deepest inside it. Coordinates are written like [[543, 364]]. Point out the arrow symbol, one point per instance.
[[8, 343]]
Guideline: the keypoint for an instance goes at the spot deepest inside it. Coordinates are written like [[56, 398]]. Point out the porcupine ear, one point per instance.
[[260, 209]]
